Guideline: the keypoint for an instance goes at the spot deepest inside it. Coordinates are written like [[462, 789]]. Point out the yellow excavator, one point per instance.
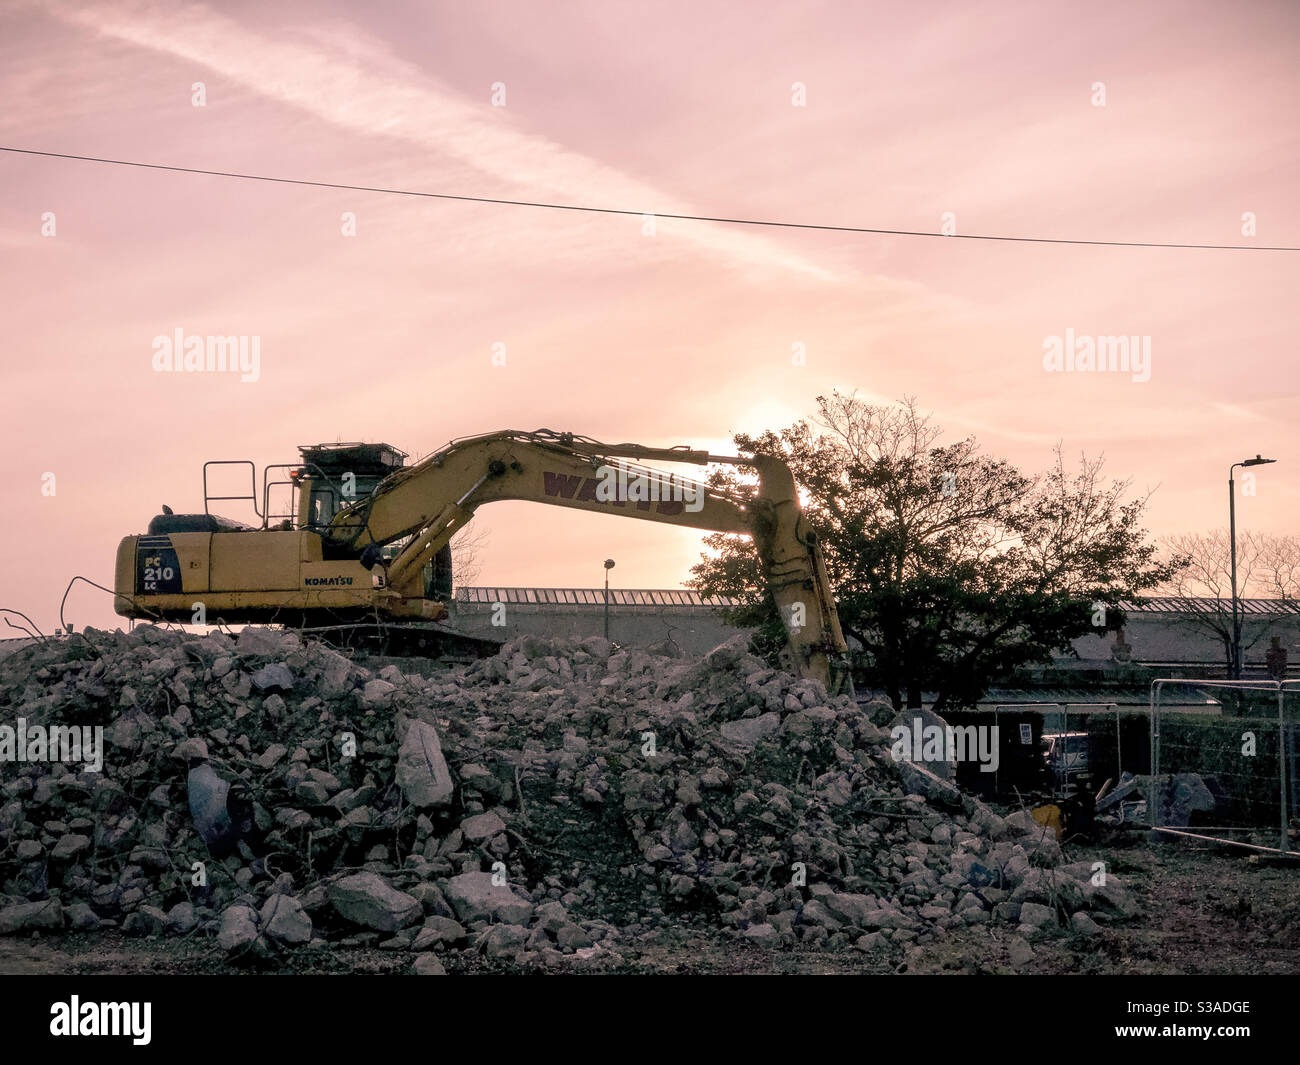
[[364, 547]]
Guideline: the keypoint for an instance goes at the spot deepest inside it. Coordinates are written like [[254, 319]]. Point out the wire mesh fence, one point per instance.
[[1050, 748], [1242, 748]]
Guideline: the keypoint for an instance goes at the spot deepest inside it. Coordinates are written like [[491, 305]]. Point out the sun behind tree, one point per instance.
[[951, 567]]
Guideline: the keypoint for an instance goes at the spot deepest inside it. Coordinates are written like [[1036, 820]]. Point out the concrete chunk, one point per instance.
[[274, 678], [428, 965], [1036, 915], [238, 928], [475, 898], [70, 847], [377, 694], [422, 772], [748, 731], [254, 640], [368, 900], [26, 916], [284, 919], [482, 826]]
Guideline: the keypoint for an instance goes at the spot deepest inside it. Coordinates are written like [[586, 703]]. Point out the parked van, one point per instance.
[[1066, 754]]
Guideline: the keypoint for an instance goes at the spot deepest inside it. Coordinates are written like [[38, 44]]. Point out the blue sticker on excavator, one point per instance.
[[157, 570]]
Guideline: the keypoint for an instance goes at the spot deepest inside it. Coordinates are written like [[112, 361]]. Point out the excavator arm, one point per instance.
[[424, 505]]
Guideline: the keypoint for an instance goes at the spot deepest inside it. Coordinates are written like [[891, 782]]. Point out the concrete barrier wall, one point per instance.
[[694, 631], [1152, 637]]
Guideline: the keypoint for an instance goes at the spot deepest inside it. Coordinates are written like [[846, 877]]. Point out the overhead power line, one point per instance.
[[642, 214]]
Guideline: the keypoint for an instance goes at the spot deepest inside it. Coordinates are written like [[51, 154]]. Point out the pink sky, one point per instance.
[[985, 111]]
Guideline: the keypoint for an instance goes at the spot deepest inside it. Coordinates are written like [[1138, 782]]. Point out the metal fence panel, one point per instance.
[[1249, 756]]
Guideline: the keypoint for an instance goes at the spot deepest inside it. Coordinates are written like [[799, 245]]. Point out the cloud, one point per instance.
[[1235, 410], [337, 77]]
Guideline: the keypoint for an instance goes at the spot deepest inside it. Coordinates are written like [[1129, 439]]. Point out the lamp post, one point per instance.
[[1235, 670], [609, 565]]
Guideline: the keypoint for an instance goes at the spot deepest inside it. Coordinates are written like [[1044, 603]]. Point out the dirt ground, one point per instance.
[[1206, 911]]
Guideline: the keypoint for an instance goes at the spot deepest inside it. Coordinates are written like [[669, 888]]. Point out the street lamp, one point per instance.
[[609, 565], [1232, 543]]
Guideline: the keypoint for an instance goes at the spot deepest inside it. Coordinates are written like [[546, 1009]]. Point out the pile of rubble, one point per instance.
[[556, 800]]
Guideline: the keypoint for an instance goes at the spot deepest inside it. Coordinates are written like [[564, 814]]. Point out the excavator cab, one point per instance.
[[333, 476]]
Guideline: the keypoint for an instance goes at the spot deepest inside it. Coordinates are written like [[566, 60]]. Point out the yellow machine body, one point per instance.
[[363, 542]]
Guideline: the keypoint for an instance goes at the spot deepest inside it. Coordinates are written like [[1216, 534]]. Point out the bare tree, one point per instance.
[[1268, 566], [467, 547], [1279, 566]]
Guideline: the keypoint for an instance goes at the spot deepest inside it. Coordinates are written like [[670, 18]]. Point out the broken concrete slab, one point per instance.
[[428, 965], [273, 678], [368, 900], [1036, 915], [482, 827], [763, 935], [422, 771], [255, 640], [915, 725], [475, 897], [70, 847], [1082, 924], [377, 694], [238, 929], [747, 732], [919, 780], [284, 919], [1182, 797], [31, 916]]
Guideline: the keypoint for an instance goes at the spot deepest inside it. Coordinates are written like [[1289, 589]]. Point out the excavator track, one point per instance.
[[428, 640]]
